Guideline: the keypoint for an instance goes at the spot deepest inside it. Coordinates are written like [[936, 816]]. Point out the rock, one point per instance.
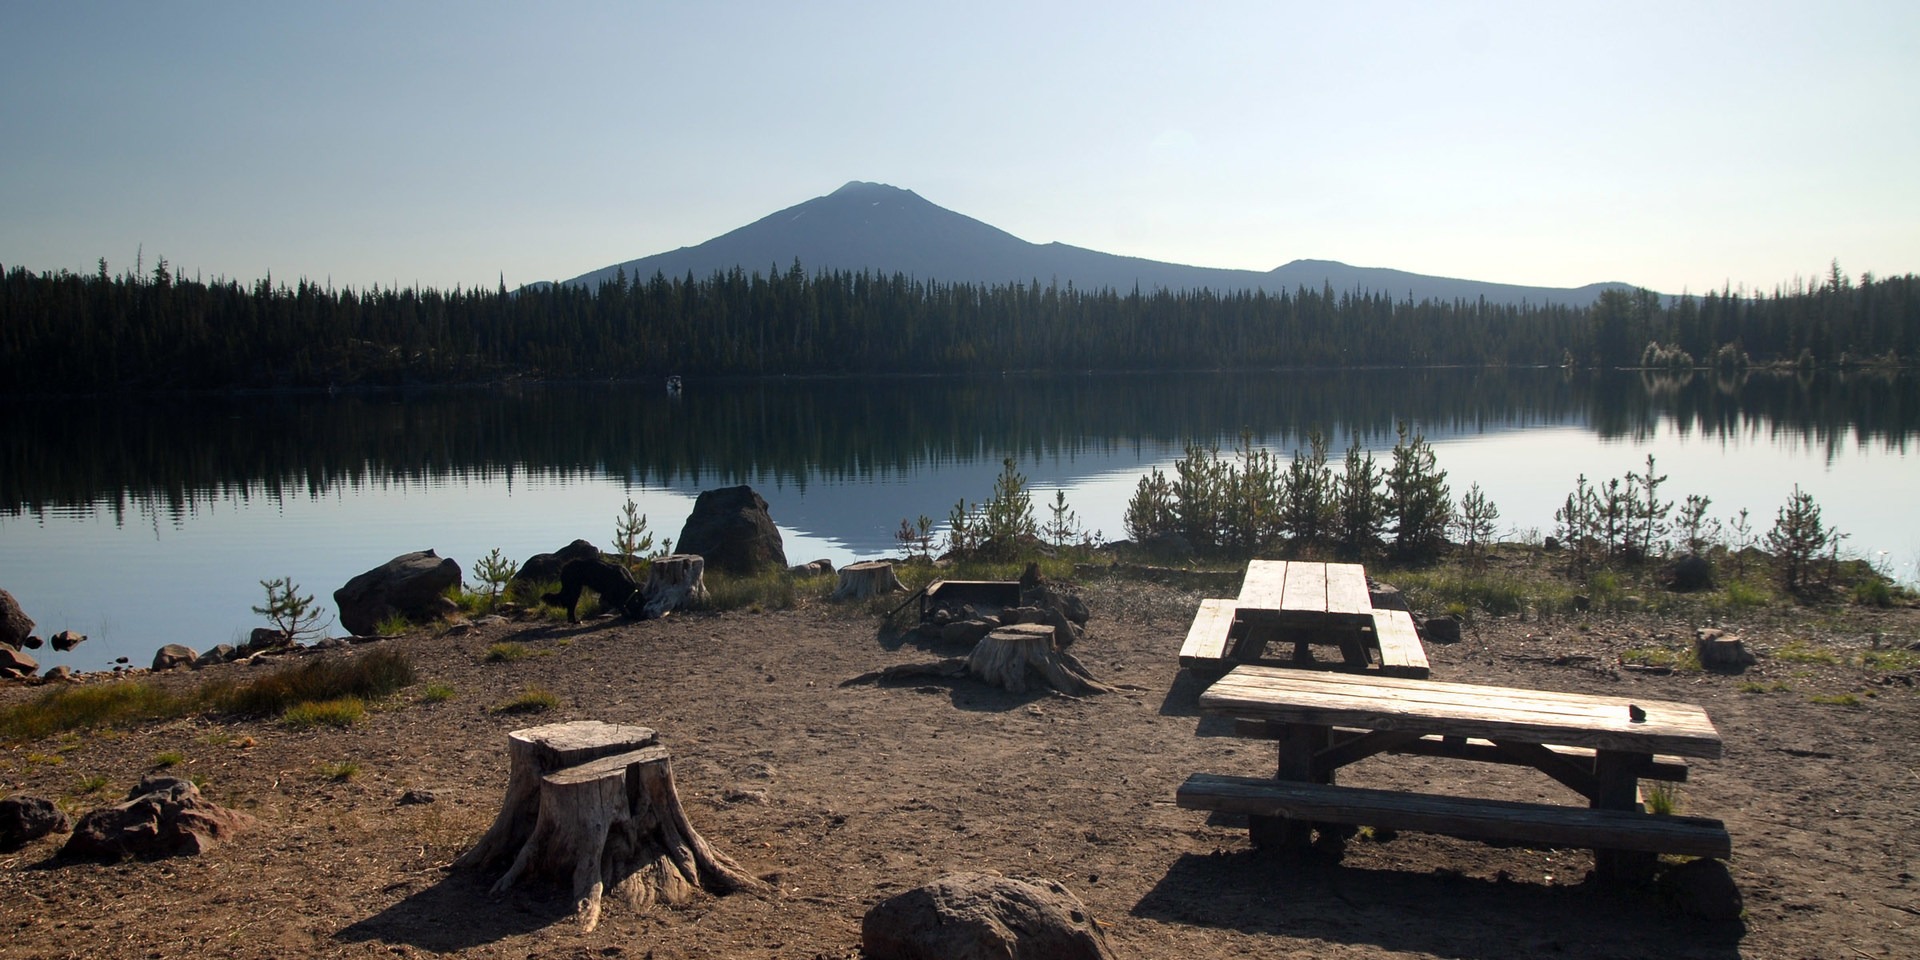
[[162, 817], [59, 674], [267, 638], [1441, 630], [1582, 602], [968, 631], [410, 584], [1387, 597], [817, 568], [221, 653], [414, 798], [1704, 889], [731, 528], [544, 568], [15, 625], [174, 655], [16, 663], [34, 642], [974, 916], [66, 640], [24, 819]]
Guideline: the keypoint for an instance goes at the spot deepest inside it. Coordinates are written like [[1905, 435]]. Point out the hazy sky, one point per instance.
[[1677, 145]]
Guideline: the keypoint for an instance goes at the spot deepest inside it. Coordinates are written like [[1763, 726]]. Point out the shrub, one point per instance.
[[436, 693], [1798, 538], [495, 571], [92, 705], [1152, 512], [340, 771], [534, 699], [295, 616], [169, 758], [368, 677], [1418, 501], [1362, 519], [339, 712], [507, 652]]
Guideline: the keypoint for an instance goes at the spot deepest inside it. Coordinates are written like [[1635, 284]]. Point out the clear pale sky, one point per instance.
[[1677, 145]]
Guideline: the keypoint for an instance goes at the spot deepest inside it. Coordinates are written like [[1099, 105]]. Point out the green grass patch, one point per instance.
[[90, 706], [769, 590], [340, 712], [534, 699], [1680, 660], [90, 785], [369, 676], [1661, 799], [1755, 686], [508, 652], [340, 771], [1838, 700], [1873, 592], [436, 693], [394, 625], [1891, 660], [1801, 651], [168, 758]]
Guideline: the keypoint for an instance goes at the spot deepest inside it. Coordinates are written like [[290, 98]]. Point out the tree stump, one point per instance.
[[674, 582], [1005, 657], [610, 822], [869, 578]]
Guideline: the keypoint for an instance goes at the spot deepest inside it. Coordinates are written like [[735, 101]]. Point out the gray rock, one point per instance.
[[968, 631], [410, 584], [15, 625], [24, 819], [975, 916], [174, 655], [33, 642], [545, 567], [221, 653], [59, 674], [267, 638], [162, 817], [731, 528], [66, 640], [16, 663], [1441, 630], [815, 568], [414, 798]]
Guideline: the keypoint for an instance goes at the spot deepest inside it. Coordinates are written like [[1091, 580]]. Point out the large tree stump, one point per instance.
[[611, 823], [869, 578], [535, 752], [1007, 656], [673, 582]]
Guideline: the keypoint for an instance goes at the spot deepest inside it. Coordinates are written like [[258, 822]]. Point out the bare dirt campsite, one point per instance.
[[839, 796]]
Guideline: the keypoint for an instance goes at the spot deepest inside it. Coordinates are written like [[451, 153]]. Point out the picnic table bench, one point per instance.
[[1304, 603], [1600, 747]]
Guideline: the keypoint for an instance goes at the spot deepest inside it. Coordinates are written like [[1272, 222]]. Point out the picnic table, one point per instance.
[[1304, 603], [1600, 747]]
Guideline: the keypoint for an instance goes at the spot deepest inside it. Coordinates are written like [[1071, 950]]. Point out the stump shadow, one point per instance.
[[1315, 897], [458, 913]]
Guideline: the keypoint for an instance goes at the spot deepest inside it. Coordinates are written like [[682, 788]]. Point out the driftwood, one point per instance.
[[1005, 657], [595, 803], [869, 578], [674, 582]]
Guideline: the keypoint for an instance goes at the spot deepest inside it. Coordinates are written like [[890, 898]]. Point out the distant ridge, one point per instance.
[[887, 230]]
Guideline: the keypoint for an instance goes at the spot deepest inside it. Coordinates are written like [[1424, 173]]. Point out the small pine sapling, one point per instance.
[[296, 617]]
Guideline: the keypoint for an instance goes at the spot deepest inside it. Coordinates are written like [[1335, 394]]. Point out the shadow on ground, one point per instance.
[[457, 914], [1315, 897]]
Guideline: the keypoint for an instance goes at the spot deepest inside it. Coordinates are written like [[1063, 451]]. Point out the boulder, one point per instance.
[[66, 640], [221, 653], [542, 568], [1690, 573], [24, 819], [34, 642], [411, 585], [16, 663], [731, 528], [15, 625], [59, 674], [975, 916], [267, 638], [174, 655], [161, 817], [817, 568]]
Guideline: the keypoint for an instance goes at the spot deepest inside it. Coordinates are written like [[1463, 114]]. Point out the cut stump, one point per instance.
[[674, 582], [612, 821], [1005, 657], [869, 578]]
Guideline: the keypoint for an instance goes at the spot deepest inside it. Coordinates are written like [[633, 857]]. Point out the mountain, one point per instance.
[[873, 226]]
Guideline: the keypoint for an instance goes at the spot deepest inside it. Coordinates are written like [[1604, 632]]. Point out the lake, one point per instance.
[[153, 521]]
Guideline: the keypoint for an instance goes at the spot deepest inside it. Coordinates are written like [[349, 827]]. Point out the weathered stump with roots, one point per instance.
[[870, 578], [1005, 657], [595, 803], [673, 582]]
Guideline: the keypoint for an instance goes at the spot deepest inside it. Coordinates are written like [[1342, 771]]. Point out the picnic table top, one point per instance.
[[1377, 703], [1306, 589]]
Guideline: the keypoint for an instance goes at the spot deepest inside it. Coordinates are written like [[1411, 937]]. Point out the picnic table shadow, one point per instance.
[[457, 913], [1313, 896]]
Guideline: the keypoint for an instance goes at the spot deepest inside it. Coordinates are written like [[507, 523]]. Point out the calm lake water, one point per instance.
[[153, 522]]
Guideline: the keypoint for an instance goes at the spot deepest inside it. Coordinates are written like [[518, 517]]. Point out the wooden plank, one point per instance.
[[1663, 767], [1306, 590], [1370, 702], [1347, 589], [1499, 820], [1265, 587], [1401, 654], [1209, 640]]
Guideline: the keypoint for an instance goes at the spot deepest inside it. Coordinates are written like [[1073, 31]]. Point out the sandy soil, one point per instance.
[[844, 795]]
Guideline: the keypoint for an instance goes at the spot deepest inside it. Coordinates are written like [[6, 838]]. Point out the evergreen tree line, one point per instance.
[[67, 332]]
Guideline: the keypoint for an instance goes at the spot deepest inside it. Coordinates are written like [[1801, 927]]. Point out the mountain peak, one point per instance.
[[859, 188]]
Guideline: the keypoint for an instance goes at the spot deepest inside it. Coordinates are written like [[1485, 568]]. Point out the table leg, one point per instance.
[[1297, 743], [1617, 777]]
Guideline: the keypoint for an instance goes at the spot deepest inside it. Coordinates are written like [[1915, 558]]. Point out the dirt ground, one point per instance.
[[841, 796]]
